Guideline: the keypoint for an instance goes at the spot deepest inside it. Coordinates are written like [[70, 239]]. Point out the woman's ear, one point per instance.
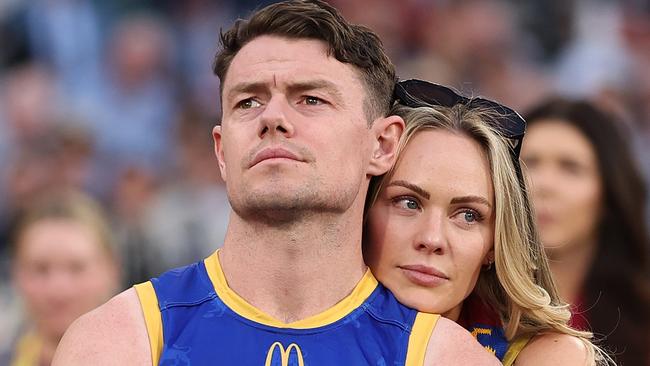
[[388, 131], [488, 260]]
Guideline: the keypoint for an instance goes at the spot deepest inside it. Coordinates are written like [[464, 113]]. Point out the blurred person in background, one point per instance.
[[131, 111], [589, 199], [476, 46], [192, 208], [28, 104], [194, 22], [63, 265]]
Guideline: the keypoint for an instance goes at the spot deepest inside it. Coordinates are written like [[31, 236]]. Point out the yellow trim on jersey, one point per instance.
[[28, 351], [152, 318], [514, 349], [419, 338], [235, 302]]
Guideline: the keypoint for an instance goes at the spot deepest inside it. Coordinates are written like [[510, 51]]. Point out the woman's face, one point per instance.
[[565, 182], [432, 226], [62, 271]]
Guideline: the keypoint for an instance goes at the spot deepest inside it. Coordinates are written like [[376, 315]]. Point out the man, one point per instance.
[[304, 98]]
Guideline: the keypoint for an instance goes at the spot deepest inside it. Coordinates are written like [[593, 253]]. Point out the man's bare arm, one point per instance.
[[113, 334], [450, 344]]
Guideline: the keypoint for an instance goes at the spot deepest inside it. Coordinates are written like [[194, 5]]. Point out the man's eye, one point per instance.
[[313, 100], [248, 104]]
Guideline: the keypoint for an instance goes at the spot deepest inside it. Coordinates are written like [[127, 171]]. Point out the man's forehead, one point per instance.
[[274, 60]]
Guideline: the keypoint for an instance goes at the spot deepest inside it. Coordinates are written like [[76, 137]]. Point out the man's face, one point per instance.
[[294, 137]]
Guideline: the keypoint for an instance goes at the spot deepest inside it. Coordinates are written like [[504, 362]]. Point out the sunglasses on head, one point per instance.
[[508, 123]]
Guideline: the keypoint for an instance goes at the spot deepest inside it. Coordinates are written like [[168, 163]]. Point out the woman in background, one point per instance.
[[589, 198], [63, 266]]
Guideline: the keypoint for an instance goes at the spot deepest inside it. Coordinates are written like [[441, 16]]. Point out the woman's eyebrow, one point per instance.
[[468, 199], [415, 188]]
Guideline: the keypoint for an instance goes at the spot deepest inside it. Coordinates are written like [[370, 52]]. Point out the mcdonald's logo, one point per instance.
[[285, 354]]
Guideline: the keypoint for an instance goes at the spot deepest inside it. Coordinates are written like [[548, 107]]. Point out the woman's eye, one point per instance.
[[407, 203], [248, 104], [471, 216]]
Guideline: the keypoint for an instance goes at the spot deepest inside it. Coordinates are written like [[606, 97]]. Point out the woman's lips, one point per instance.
[[424, 275]]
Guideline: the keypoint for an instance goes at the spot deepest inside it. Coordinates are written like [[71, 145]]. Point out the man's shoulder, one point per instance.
[[451, 344], [113, 332]]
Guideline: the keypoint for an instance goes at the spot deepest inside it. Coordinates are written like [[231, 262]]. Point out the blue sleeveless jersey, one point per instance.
[[198, 320]]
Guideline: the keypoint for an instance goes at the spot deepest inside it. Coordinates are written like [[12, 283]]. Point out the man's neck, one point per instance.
[[296, 271]]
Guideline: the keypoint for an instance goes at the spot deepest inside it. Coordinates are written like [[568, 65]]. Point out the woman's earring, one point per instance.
[[489, 265]]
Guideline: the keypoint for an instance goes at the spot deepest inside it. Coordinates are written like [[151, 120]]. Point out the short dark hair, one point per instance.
[[314, 19]]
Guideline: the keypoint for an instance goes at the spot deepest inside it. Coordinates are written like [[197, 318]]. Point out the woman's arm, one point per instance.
[[555, 349]]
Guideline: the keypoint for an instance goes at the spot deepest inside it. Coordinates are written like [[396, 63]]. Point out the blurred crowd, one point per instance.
[[117, 99]]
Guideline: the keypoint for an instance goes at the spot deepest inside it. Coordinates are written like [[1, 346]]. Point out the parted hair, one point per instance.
[[519, 286], [68, 206], [313, 19]]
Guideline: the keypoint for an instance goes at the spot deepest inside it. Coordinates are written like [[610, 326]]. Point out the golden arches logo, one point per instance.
[[284, 354]]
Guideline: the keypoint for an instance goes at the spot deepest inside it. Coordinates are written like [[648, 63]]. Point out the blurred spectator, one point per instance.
[[28, 107], [181, 221], [13, 33], [635, 93], [132, 195], [131, 111], [594, 59], [196, 25], [589, 199], [63, 265], [40, 149], [476, 47], [67, 36], [188, 218]]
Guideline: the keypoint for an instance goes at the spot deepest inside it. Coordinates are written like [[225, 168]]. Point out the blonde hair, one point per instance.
[[519, 287], [65, 205]]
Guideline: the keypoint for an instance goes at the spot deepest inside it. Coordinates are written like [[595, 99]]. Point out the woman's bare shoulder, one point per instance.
[[550, 349]]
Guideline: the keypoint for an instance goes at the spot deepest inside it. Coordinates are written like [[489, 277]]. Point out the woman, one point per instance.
[[449, 229], [63, 266], [589, 199]]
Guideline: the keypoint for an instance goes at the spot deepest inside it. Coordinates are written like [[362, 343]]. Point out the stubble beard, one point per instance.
[[282, 207]]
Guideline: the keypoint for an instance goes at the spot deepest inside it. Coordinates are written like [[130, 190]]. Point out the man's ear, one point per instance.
[[218, 150], [387, 133]]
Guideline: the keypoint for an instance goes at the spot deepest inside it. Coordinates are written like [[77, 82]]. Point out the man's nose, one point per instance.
[[274, 119]]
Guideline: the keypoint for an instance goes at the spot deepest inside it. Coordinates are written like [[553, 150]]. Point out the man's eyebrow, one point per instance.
[[468, 199], [245, 87], [294, 87], [308, 85], [410, 186]]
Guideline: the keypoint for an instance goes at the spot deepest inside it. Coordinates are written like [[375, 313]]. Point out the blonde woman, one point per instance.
[[63, 265], [449, 229]]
